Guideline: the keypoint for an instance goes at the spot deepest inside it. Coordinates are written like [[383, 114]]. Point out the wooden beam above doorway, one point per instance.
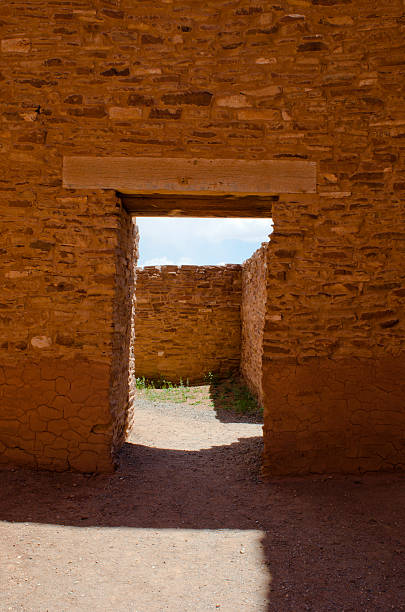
[[199, 206], [176, 176]]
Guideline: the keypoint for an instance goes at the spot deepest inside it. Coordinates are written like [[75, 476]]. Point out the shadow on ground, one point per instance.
[[233, 402], [329, 543]]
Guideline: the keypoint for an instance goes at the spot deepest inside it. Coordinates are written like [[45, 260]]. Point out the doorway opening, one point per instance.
[[199, 325]]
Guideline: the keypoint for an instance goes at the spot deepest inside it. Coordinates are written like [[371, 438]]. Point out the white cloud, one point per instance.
[[211, 230], [182, 241], [246, 230]]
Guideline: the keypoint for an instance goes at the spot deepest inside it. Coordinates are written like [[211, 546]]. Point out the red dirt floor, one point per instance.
[[187, 524]]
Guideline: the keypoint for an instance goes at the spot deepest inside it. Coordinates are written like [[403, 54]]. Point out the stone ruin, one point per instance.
[[194, 322], [291, 111], [188, 322]]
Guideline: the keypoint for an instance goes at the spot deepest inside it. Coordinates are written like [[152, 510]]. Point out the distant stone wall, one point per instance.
[[187, 321], [253, 311]]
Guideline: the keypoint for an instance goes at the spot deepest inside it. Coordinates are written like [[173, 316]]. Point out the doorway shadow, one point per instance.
[[153, 487], [329, 542]]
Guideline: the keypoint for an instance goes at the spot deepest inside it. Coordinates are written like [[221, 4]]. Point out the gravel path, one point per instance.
[[187, 427], [186, 524]]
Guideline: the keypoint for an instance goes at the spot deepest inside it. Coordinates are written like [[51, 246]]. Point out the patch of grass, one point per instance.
[[233, 395], [230, 394], [162, 390], [141, 383]]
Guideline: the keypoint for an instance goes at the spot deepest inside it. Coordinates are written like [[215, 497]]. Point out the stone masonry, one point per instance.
[[253, 312], [194, 320], [187, 322], [64, 389], [300, 80]]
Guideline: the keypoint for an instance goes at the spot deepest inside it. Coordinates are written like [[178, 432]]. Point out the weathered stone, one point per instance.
[[140, 100], [41, 342], [256, 114], [264, 92], [339, 20], [16, 45], [41, 245], [235, 101], [91, 112], [148, 39], [116, 72], [197, 98], [123, 113], [74, 99], [165, 113]]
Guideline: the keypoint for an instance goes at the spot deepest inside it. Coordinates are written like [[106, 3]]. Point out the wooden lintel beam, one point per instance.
[[150, 175], [199, 206]]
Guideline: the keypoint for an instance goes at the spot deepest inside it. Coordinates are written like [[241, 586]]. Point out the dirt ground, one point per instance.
[[186, 524]]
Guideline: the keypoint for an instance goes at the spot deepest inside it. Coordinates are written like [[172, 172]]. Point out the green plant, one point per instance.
[[164, 390], [233, 395], [210, 378], [229, 394], [140, 383]]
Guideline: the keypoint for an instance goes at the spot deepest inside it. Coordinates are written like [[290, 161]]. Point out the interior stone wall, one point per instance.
[[316, 80], [58, 409], [187, 322], [334, 331], [122, 376], [333, 356], [253, 312]]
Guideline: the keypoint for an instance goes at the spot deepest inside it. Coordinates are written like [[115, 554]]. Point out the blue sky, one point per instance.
[[191, 241]]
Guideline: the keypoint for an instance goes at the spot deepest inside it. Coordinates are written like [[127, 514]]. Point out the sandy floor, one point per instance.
[[187, 525]]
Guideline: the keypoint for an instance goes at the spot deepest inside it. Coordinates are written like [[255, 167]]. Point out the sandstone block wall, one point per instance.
[[62, 394], [187, 321], [316, 80], [334, 332], [122, 375], [253, 312]]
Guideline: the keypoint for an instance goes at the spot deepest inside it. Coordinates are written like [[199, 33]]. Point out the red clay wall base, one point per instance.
[[54, 414], [334, 416]]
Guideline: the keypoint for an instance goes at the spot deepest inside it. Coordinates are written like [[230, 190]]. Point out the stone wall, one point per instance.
[[316, 80], [187, 321], [253, 312], [122, 376], [58, 408], [334, 331]]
